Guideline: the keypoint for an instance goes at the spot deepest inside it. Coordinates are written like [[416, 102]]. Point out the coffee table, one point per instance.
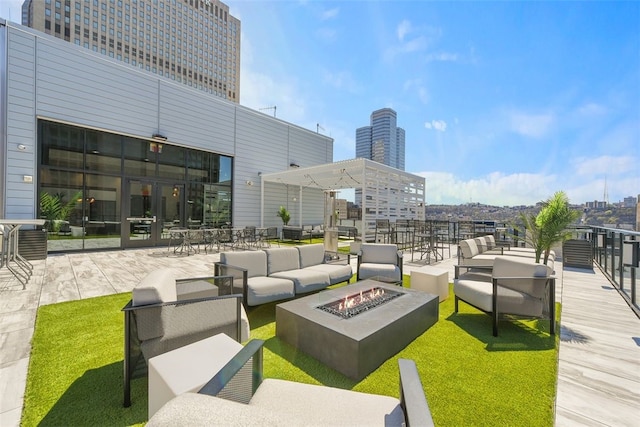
[[358, 345]]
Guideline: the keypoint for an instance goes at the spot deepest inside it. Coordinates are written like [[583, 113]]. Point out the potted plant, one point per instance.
[[55, 210], [284, 215], [549, 226]]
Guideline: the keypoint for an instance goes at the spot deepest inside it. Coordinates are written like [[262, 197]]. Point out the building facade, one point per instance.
[[131, 154], [382, 141], [194, 42]]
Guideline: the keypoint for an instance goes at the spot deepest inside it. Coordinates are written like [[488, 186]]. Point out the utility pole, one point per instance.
[[270, 108]]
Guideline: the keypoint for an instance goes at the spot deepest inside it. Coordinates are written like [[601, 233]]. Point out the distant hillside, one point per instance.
[[613, 216]]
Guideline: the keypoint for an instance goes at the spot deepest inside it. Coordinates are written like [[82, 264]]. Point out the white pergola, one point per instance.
[[387, 193]]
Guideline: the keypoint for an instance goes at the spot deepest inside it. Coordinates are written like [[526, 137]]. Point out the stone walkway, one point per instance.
[[599, 361]]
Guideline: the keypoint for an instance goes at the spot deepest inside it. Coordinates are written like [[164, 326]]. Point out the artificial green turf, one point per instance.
[[470, 377]]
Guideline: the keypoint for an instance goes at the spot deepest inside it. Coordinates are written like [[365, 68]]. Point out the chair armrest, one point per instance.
[[332, 257], [223, 385], [238, 273], [224, 285], [412, 397], [456, 269]]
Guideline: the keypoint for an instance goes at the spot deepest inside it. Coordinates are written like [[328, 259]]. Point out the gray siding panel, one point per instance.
[[19, 195], [55, 80]]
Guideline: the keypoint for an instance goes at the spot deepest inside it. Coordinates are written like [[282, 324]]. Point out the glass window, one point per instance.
[[140, 157], [171, 162], [104, 152]]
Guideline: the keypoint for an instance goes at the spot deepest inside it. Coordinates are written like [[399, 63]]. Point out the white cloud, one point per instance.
[[439, 125], [492, 189], [531, 125], [342, 80], [592, 109], [327, 34], [403, 29], [261, 91], [417, 86], [442, 57], [330, 13], [604, 165]]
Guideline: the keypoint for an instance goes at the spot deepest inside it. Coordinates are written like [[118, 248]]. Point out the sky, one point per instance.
[[503, 103]]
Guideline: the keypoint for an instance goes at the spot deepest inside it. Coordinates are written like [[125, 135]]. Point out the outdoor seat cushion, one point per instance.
[[282, 259], [255, 262], [305, 279], [376, 253], [261, 290], [337, 272], [193, 409], [480, 294], [311, 255], [156, 287], [512, 267], [326, 406], [368, 270]]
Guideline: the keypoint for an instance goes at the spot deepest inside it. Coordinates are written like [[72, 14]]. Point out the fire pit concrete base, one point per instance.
[[358, 345]]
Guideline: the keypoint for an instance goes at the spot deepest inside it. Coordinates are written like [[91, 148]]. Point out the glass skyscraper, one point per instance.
[[383, 140]]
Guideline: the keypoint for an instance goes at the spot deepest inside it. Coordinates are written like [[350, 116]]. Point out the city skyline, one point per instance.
[[502, 103]]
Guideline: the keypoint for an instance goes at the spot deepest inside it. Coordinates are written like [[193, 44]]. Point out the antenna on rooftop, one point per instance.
[[318, 127], [270, 108]]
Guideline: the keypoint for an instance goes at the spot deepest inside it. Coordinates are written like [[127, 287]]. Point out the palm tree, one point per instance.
[[549, 226]]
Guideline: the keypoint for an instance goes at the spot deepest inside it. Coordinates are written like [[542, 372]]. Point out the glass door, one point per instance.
[[153, 208]]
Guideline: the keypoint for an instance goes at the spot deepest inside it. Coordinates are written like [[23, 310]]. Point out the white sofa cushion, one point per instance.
[[337, 272], [311, 255], [192, 409], [316, 405], [263, 289], [512, 267], [282, 259], [376, 253], [509, 301], [156, 287], [305, 279], [368, 270], [255, 262], [468, 248]]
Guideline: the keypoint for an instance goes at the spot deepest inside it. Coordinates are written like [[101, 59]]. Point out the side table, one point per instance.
[[432, 280]]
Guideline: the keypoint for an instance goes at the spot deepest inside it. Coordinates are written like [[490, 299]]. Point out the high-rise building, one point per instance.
[[195, 42], [382, 141]]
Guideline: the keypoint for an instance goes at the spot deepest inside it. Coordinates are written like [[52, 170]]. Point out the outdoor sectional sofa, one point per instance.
[[281, 273]]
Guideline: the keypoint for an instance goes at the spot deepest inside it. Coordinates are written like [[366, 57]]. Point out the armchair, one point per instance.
[[239, 395], [378, 259], [166, 313], [515, 287]]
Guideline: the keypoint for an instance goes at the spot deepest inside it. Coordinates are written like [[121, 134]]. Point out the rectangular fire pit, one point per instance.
[[360, 343]]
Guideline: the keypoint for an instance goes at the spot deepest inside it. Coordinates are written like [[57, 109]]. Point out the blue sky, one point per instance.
[[502, 102]]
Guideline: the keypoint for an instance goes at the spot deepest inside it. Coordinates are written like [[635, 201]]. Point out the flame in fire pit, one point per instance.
[[364, 297], [354, 304]]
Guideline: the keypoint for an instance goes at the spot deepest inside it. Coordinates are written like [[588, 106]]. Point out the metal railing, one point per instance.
[[616, 253]]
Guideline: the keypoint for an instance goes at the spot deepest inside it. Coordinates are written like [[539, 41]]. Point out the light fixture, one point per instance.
[[249, 183], [176, 191], [159, 136], [22, 147]]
